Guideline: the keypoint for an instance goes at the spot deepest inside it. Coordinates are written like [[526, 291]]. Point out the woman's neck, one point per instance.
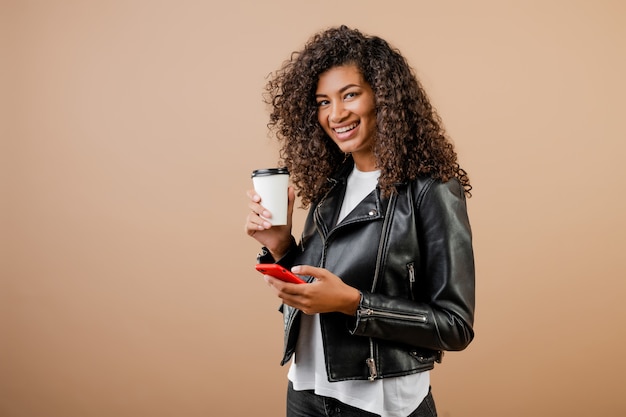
[[365, 162]]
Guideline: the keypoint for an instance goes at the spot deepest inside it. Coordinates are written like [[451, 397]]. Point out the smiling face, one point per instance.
[[347, 112]]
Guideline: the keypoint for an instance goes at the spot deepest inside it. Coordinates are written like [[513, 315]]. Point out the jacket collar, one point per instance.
[[327, 210]]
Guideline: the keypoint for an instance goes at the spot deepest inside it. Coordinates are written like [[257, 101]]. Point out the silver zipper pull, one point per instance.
[[372, 365], [411, 272], [366, 311]]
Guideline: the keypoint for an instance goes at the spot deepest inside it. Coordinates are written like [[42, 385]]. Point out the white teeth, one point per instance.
[[346, 128]]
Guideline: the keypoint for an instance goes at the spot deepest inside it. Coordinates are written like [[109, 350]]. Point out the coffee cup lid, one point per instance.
[[270, 171]]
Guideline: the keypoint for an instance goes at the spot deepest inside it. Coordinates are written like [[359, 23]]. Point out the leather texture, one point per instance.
[[411, 257]]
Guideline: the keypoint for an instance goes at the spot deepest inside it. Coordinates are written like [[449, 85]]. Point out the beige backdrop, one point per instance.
[[129, 130]]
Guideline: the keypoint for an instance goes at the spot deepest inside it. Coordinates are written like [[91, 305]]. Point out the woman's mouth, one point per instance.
[[345, 129]]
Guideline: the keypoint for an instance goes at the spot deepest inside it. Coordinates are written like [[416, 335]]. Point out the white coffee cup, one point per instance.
[[272, 185]]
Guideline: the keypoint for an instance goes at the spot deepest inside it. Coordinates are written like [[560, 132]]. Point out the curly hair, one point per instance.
[[410, 141]]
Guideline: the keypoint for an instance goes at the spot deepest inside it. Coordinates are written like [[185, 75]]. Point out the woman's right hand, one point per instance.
[[277, 239]]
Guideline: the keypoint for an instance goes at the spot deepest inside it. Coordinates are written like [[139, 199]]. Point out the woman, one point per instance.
[[386, 247]]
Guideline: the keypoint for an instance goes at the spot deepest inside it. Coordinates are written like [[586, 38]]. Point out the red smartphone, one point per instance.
[[279, 272]]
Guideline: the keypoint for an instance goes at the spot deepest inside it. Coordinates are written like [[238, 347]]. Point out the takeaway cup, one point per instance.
[[272, 185]]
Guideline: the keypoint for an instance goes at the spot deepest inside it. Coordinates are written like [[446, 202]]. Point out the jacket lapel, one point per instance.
[[327, 211]]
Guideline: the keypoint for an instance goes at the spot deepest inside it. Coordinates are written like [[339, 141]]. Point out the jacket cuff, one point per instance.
[[265, 257], [356, 324]]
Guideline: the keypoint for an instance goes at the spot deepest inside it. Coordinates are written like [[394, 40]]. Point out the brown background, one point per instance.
[[129, 130]]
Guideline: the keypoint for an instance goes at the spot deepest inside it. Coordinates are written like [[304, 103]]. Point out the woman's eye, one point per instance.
[[351, 95], [322, 103]]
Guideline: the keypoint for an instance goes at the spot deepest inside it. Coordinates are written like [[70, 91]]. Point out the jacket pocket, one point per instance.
[[411, 277]]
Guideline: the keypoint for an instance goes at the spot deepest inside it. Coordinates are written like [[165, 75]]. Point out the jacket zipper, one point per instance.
[[421, 318], [371, 364], [411, 267]]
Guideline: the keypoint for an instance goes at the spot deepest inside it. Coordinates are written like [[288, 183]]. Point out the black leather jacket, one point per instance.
[[411, 257]]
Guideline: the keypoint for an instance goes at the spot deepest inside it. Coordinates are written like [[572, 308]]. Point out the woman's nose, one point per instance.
[[338, 113]]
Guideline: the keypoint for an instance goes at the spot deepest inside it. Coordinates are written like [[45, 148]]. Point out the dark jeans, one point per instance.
[[309, 404]]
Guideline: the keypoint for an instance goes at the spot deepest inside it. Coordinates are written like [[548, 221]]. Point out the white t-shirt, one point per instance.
[[388, 397]]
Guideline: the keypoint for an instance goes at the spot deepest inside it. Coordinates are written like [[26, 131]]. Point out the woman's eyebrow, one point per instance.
[[341, 90]]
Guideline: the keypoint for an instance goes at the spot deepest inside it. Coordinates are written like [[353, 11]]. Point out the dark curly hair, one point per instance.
[[410, 139]]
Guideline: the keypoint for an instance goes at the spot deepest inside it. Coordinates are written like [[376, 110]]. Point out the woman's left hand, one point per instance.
[[328, 293]]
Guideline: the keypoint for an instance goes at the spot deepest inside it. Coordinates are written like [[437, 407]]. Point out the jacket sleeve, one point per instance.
[[265, 257], [444, 316]]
